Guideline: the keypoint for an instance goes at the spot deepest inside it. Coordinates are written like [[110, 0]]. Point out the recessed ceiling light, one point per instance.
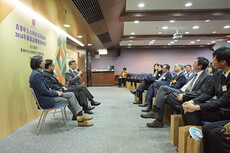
[[175, 40], [66, 25], [195, 27], [80, 36], [164, 27], [141, 5], [172, 42], [169, 44], [192, 42], [159, 32], [227, 26], [132, 33], [213, 42], [129, 44], [136, 21], [89, 44], [171, 21], [207, 20], [131, 37], [188, 4], [153, 40], [228, 41], [214, 32], [198, 40], [208, 43], [186, 32]]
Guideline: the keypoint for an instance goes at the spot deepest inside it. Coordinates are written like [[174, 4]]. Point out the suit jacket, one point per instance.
[[215, 88], [167, 77], [72, 78], [42, 91], [200, 85], [51, 79], [178, 81]]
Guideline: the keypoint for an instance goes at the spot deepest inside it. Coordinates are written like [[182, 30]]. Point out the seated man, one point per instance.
[[189, 73], [73, 80], [53, 82], [144, 85], [48, 98], [194, 111], [163, 80], [122, 77], [177, 82], [175, 97]]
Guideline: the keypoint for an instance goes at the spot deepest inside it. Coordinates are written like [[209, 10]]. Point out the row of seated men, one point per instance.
[[51, 92], [204, 97]]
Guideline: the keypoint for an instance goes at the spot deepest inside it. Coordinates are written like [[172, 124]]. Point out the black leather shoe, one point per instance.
[[146, 110], [137, 102], [133, 92], [94, 103], [74, 118], [143, 105], [150, 114], [88, 112], [155, 124], [90, 108]]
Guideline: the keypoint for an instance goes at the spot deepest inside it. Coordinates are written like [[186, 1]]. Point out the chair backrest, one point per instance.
[[35, 98]]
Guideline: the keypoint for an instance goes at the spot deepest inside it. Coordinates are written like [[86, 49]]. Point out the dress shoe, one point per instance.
[[83, 118], [88, 111], [94, 103], [133, 92], [146, 110], [85, 123], [143, 105], [137, 102], [155, 124], [90, 108], [150, 114]]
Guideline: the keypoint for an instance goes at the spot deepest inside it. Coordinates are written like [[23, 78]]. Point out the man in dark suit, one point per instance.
[[194, 111], [73, 80], [53, 82], [163, 80], [48, 98], [176, 97]]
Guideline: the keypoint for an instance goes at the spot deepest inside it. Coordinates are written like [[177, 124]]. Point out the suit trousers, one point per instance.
[[144, 85], [214, 139], [85, 90], [69, 99], [162, 99]]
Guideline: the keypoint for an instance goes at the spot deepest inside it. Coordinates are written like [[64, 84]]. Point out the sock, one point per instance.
[[80, 114]]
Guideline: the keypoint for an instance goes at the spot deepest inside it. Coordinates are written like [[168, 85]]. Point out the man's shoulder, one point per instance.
[[67, 72]]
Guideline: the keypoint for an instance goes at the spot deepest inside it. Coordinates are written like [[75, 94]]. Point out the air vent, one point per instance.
[[104, 38], [90, 10]]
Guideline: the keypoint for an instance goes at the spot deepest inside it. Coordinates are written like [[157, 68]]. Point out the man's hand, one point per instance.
[[59, 93], [189, 107], [64, 88], [180, 97]]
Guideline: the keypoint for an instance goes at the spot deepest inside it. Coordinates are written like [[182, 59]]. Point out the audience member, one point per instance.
[[123, 77]]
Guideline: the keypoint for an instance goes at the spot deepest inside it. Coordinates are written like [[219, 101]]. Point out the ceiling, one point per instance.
[[109, 23]]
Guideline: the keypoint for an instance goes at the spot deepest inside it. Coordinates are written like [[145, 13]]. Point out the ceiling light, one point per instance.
[[186, 32], [171, 21], [228, 41], [198, 40], [141, 5], [192, 42], [208, 43], [129, 44], [159, 32], [195, 27], [164, 27], [131, 37], [79, 36], [169, 44], [136, 21], [151, 42], [175, 40], [214, 32], [188, 4], [207, 20], [66, 25], [89, 44], [172, 42], [132, 33], [213, 42], [227, 26]]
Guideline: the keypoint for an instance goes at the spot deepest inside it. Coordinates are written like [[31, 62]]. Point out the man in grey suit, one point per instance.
[[73, 80], [172, 96]]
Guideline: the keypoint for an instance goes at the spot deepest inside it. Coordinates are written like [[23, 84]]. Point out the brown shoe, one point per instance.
[[83, 118], [150, 114], [155, 124], [85, 123]]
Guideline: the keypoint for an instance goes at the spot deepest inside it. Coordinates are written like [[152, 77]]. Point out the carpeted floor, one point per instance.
[[118, 128]]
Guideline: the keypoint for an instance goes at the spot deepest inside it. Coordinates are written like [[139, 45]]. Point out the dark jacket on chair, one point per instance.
[[42, 90]]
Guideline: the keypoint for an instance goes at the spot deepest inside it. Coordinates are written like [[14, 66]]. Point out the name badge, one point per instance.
[[224, 88], [163, 77]]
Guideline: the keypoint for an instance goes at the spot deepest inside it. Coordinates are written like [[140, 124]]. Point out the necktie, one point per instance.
[[189, 88]]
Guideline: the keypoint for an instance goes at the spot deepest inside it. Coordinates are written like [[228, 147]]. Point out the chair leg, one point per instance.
[[43, 120], [65, 114], [64, 118], [40, 118], [54, 112]]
